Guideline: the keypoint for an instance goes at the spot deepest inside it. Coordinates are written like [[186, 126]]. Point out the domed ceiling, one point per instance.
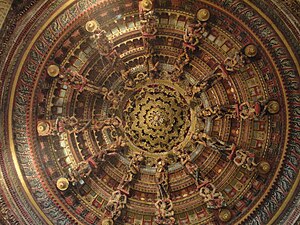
[[150, 112]]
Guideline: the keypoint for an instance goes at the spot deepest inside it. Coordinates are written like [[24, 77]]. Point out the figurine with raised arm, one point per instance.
[[213, 199], [76, 81], [217, 75], [245, 159], [162, 178], [116, 203], [164, 212]]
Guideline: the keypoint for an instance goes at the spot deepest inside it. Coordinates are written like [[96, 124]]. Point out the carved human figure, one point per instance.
[[116, 203], [251, 111], [148, 27], [110, 149], [245, 159], [164, 211], [182, 60], [214, 143], [102, 154], [193, 34], [162, 178], [190, 167], [134, 164], [70, 125], [148, 22], [236, 62], [129, 83], [77, 81], [152, 68], [117, 144], [208, 82], [109, 123], [216, 112], [126, 180], [114, 98], [81, 171], [213, 199], [104, 46]]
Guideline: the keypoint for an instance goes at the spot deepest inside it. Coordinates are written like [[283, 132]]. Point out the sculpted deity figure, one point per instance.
[[162, 178], [103, 153], [109, 123], [110, 149], [117, 144], [164, 212], [252, 111], [104, 46], [70, 125], [218, 74], [134, 169], [134, 164], [216, 112], [214, 143], [190, 167], [213, 199], [77, 81], [148, 27], [148, 21], [193, 34], [182, 60], [237, 62], [245, 159], [116, 203], [81, 171], [129, 83], [151, 67], [126, 180]]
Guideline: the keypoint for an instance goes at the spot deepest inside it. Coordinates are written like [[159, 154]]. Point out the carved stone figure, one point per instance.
[[240, 58], [124, 184], [237, 62], [213, 199], [70, 125], [102, 154], [193, 34], [104, 47], [116, 203], [114, 98], [152, 69], [77, 81], [134, 164], [182, 60], [162, 178], [214, 143], [190, 167], [129, 83], [245, 159], [118, 144], [218, 74], [164, 211], [216, 112], [82, 170], [252, 111], [110, 149], [114, 122]]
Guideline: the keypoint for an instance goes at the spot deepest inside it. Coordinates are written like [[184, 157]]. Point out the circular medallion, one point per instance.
[[53, 70], [157, 118], [203, 15], [62, 184]]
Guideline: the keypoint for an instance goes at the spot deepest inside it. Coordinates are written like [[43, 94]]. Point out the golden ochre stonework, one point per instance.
[[157, 118], [151, 113]]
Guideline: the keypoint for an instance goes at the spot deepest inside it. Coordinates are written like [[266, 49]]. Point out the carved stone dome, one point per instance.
[[150, 112]]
